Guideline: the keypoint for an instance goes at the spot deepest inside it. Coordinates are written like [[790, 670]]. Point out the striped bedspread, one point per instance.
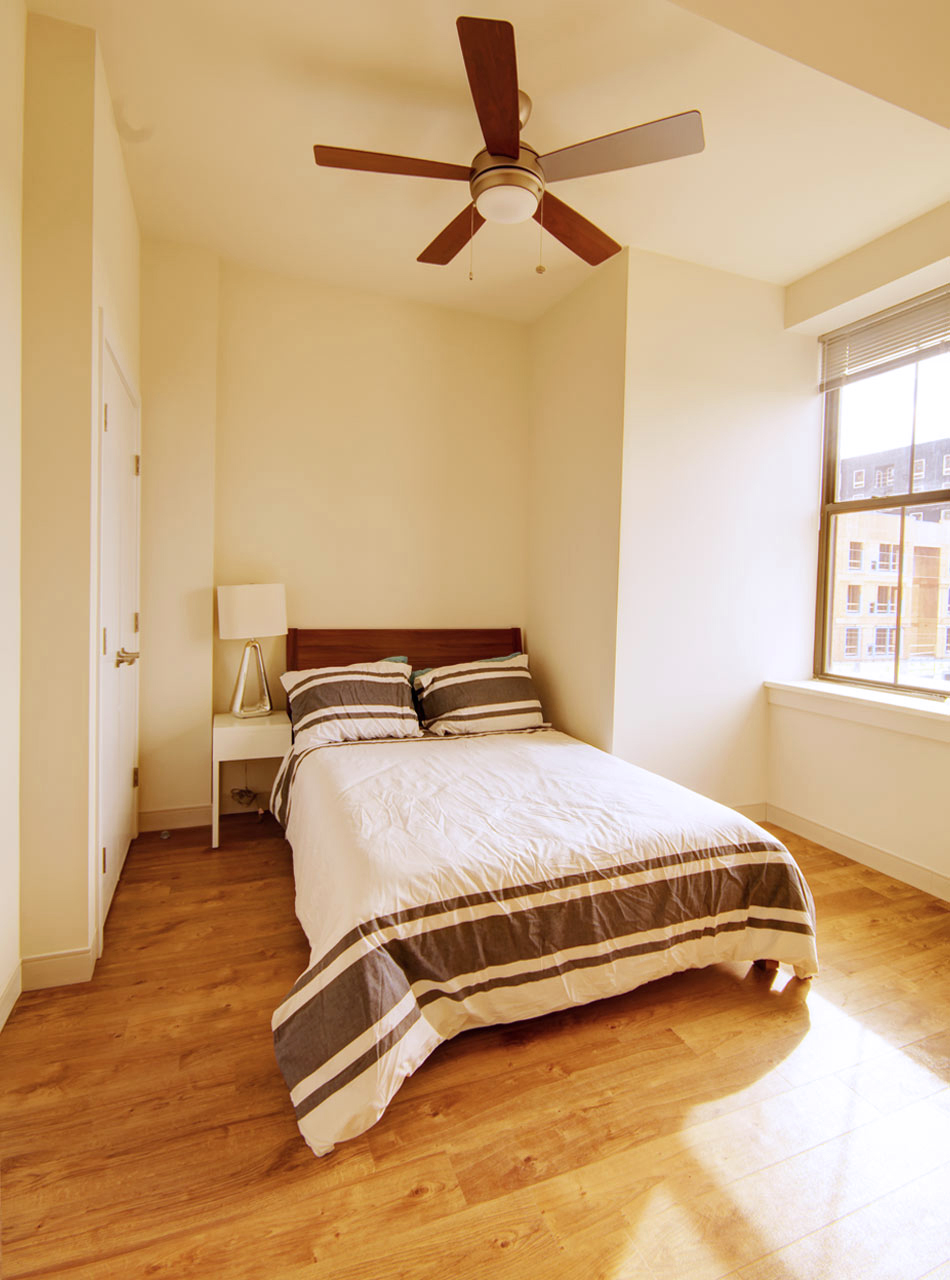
[[452, 883]]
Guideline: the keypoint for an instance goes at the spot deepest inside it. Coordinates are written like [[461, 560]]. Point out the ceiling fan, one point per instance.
[[508, 179]]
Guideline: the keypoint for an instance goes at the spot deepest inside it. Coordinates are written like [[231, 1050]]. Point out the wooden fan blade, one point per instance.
[[680, 135], [574, 231], [488, 50], [454, 237], [379, 162]]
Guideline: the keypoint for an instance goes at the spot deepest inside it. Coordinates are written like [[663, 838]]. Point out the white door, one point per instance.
[[118, 620]]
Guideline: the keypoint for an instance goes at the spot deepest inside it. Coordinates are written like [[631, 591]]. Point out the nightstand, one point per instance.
[[236, 739]]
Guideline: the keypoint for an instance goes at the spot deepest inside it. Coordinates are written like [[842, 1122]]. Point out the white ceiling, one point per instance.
[[220, 102]]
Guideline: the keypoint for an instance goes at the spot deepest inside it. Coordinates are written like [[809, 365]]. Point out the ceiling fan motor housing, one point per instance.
[[506, 189]]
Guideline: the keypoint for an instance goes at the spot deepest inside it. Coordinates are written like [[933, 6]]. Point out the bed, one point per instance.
[[451, 882]]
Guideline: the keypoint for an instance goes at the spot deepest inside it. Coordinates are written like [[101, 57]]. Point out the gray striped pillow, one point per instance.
[[494, 695], [351, 704]]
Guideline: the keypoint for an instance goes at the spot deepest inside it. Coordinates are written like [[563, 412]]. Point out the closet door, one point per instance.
[[119, 622]]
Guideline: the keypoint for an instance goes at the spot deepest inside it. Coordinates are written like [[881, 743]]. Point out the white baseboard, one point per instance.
[[11, 993], [60, 969], [754, 812], [891, 864], [174, 819]]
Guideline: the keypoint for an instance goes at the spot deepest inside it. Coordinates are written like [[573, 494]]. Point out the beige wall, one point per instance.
[[58, 336], [369, 453], [718, 538], [179, 406], [116, 243], [577, 404], [906, 262], [12, 56], [80, 260]]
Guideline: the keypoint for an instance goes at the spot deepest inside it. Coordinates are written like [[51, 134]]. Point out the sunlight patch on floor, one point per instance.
[[847, 1163]]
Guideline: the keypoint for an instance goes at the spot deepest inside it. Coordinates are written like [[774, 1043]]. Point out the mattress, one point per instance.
[[451, 883]]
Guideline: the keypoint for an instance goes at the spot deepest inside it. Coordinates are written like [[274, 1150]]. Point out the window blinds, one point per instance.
[[891, 338]]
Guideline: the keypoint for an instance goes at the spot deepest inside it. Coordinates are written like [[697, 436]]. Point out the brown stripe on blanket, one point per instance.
[[366, 990], [684, 860], [617, 953], [358, 1066], [337, 1014], [378, 1048]]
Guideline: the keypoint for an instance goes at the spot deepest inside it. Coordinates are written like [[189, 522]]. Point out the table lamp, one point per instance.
[[244, 613]]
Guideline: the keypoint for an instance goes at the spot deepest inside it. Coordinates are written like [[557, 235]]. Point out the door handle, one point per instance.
[[125, 657]]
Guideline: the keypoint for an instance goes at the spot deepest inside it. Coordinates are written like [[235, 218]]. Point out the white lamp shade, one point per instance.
[[254, 610]]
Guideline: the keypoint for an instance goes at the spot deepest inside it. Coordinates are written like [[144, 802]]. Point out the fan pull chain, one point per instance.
[[471, 244], [540, 268]]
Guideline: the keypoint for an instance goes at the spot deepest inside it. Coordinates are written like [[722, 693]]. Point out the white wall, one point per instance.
[[80, 259], [577, 403], [179, 407], [867, 779], [718, 534], [12, 56]]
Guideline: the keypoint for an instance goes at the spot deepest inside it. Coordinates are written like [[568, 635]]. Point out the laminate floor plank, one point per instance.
[[721, 1122]]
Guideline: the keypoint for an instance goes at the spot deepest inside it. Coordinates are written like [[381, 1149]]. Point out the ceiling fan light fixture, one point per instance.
[[507, 195]]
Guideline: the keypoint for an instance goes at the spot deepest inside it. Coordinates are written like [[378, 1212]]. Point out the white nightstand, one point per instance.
[[235, 739]]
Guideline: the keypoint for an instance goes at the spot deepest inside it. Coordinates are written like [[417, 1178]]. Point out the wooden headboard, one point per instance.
[[435, 647]]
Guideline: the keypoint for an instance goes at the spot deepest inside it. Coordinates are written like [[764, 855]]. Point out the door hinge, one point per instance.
[[103, 859], [138, 464], [135, 776], [135, 622], [105, 417], [103, 641]]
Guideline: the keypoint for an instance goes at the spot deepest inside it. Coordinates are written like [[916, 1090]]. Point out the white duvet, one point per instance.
[[451, 883]]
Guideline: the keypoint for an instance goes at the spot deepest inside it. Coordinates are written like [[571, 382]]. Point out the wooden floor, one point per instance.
[[707, 1125]]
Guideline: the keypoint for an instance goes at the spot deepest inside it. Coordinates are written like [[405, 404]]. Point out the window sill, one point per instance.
[[896, 712]]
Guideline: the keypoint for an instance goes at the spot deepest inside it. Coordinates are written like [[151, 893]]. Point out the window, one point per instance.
[[884, 640], [886, 600], [886, 383], [887, 556]]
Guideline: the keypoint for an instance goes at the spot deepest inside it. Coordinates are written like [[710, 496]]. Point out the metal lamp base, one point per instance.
[[262, 708]]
